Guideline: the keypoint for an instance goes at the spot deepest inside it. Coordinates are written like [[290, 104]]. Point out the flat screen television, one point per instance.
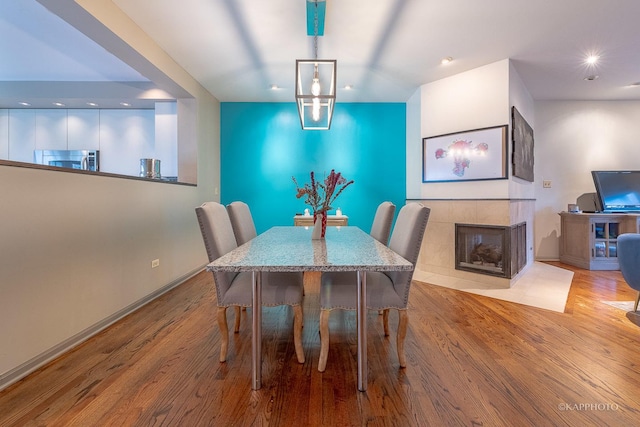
[[617, 191]]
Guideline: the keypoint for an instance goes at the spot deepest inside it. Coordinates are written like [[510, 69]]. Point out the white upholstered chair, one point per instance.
[[235, 289], [381, 227], [243, 226], [242, 222], [385, 290]]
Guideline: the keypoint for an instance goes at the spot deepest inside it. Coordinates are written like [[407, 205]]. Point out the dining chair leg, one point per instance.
[[236, 325], [403, 321], [324, 339], [224, 332], [385, 321], [635, 307], [297, 332]]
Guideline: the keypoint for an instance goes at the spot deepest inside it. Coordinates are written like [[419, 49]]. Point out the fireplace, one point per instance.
[[490, 249]]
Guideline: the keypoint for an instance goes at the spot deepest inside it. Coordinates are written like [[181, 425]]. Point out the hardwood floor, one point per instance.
[[471, 360]]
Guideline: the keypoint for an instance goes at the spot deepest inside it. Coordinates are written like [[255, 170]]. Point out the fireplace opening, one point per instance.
[[491, 249]]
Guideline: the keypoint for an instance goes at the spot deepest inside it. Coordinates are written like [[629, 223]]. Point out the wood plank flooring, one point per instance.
[[471, 360]]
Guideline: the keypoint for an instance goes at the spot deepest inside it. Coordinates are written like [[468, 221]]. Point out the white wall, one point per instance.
[[166, 132], [521, 99], [126, 136], [83, 129], [22, 135], [471, 100], [478, 98], [572, 138], [51, 129], [414, 146], [76, 249]]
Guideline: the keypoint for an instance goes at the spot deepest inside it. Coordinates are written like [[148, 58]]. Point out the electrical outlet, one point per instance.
[[155, 263], [546, 184]]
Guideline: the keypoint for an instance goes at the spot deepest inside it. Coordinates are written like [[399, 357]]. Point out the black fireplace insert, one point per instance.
[[491, 249]]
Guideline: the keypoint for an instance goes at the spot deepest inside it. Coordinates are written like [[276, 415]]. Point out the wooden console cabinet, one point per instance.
[[589, 240], [332, 220]]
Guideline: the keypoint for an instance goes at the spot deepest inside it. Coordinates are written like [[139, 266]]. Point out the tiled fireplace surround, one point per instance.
[[437, 253]]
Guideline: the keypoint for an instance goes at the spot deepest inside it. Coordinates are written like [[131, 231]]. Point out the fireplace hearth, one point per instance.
[[491, 249]]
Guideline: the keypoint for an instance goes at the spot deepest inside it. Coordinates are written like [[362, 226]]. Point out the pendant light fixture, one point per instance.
[[315, 83]]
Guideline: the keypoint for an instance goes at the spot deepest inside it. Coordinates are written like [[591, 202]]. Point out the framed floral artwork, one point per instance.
[[472, 155]]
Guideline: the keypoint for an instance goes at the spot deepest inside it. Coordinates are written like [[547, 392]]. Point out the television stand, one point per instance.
[[589, 240]]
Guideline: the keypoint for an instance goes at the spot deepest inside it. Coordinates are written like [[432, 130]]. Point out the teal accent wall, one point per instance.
[[263, 146]]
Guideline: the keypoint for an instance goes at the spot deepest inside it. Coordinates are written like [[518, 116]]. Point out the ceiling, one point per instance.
[[37, 48], [385, 49]]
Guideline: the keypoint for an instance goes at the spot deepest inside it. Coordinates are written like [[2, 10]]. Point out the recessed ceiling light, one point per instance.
[[125, 104], [636, 84], [348, 87], [24, 104], [447, 60], [591, 78], [275, 87], [92, 104], [592, 59], [58, 104]]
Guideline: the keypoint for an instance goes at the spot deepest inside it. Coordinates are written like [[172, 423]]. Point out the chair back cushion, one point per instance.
[[406, 240], [218, 237], [629, 258], [242, 222], [381, 227]]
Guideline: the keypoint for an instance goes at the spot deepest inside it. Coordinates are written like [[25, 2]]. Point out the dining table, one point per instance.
[[291, 249]]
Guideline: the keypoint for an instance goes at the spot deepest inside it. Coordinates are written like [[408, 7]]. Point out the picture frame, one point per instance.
[[472, 155], [522, 151]]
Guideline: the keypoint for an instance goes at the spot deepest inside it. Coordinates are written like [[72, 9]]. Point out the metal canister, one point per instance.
[[150, 168]]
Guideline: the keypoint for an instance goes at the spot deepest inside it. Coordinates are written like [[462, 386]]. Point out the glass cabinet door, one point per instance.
[[605, 244]]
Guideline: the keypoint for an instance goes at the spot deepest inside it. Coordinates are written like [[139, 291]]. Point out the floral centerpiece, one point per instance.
[[320, 195]]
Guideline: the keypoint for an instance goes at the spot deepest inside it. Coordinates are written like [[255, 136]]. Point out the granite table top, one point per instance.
[[292, 249]]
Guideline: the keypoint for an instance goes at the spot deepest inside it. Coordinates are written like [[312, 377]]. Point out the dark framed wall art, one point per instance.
[[472, 155], [522, 136]]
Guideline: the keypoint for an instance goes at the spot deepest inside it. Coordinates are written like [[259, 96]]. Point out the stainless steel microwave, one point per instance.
[[73, 159]]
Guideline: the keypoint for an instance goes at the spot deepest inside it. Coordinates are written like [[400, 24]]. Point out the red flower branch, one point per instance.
[[320, 196]]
